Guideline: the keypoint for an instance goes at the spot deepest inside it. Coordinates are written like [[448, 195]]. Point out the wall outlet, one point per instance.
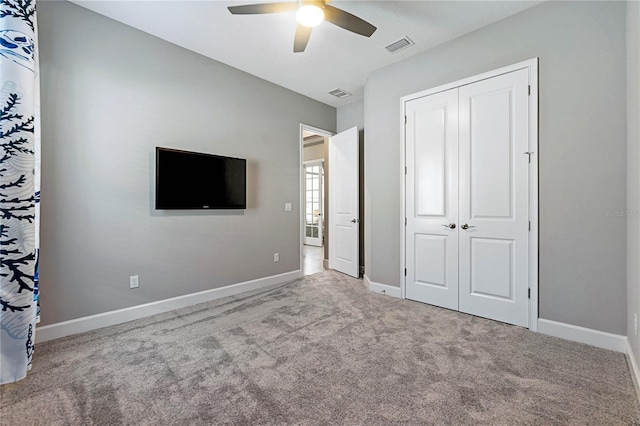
[[276, 257], [134, 281], [635, 323]]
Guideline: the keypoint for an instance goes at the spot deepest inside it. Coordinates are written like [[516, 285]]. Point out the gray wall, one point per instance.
[[633, 172], [350, 115], [581, 46], [110, 95]]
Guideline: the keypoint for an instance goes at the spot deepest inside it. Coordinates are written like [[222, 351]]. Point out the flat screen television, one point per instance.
[[192, 180]]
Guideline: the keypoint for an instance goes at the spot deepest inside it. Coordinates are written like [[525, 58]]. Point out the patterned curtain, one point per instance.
[[19, 186]]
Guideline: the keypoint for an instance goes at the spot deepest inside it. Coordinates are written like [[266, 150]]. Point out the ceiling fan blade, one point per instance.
[[348, 21], [254, 9], [302, 38]]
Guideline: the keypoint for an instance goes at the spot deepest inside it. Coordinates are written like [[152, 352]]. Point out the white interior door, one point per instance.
[[343, 202], [313, 202], [432, 202], [494, 198], [467, 166]]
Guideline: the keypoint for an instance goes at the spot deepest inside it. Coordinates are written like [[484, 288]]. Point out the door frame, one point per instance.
[[532, 66], [321, 132]]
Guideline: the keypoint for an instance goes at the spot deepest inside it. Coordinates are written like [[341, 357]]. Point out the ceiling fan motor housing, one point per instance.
[[309, 13]]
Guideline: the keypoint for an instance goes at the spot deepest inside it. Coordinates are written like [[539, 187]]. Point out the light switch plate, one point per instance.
[[134, 281], [288, 207]]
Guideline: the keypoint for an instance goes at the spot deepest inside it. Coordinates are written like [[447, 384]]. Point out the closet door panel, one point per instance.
[[493, 196], [490, 156], [431, 199]]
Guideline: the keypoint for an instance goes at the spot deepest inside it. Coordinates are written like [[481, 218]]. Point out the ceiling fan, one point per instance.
[[309, 13]]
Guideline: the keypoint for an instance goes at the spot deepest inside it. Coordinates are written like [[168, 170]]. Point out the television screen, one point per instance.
[[191, 180]]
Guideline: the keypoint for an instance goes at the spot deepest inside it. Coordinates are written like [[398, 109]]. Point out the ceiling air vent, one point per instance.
[[339, 93], [401, 44]]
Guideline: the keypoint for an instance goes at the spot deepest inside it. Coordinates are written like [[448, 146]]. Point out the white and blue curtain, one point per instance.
[[19, 186]]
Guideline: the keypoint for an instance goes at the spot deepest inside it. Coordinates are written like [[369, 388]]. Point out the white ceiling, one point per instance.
[[262, 45]]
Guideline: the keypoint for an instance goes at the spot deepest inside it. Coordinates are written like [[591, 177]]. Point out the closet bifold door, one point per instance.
[[431, 143], [493, 198]]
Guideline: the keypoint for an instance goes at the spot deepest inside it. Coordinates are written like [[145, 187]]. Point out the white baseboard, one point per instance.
[[382, 288], [613, 342], [105, 319], [633, 368]]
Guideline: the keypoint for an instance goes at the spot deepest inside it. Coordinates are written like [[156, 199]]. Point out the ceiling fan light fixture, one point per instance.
[[310, 15]]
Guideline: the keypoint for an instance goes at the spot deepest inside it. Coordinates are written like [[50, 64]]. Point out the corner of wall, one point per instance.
[[633, 184], [385, 289]]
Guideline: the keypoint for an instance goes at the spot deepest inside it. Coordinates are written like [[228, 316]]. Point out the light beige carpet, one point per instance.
[[321, 350]]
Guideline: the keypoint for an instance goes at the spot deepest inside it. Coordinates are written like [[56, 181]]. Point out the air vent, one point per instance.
[[401, 44], [339, 93]]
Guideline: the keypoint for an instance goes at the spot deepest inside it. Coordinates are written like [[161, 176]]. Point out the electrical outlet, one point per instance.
[[134, 281], [635, 323], [276, 257]]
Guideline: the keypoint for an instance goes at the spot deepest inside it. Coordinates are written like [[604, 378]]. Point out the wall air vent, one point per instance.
[[401, 44], [339, 93]]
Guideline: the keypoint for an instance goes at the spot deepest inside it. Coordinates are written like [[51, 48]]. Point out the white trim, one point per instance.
[[533, 195], [600, 339], [530, 63], [403, 198], [532, 66], [633, 368], [385, 289], [317, 160], [105, 319], [315, 130]]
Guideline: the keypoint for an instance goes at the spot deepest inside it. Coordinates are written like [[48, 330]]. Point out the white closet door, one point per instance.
[[494, 197], [431, 199]]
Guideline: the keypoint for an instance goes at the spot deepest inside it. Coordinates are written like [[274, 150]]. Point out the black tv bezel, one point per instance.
[[204, 154]]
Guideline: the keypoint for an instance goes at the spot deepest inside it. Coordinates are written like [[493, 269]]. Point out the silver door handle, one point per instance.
[[465, 226], [451, 226], [355, 220]]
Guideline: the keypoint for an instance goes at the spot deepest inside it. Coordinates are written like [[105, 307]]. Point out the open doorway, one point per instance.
[[314, 196]]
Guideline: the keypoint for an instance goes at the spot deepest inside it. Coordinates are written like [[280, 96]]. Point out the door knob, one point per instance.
[[354, 221], [451, 226], [465, 226]]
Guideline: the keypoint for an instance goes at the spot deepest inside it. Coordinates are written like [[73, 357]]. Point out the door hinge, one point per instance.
[[529, 225], [405, 272], [529, 153], [405, 221], [529, 294], [405, 170], [405, 119], [529, 91]]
